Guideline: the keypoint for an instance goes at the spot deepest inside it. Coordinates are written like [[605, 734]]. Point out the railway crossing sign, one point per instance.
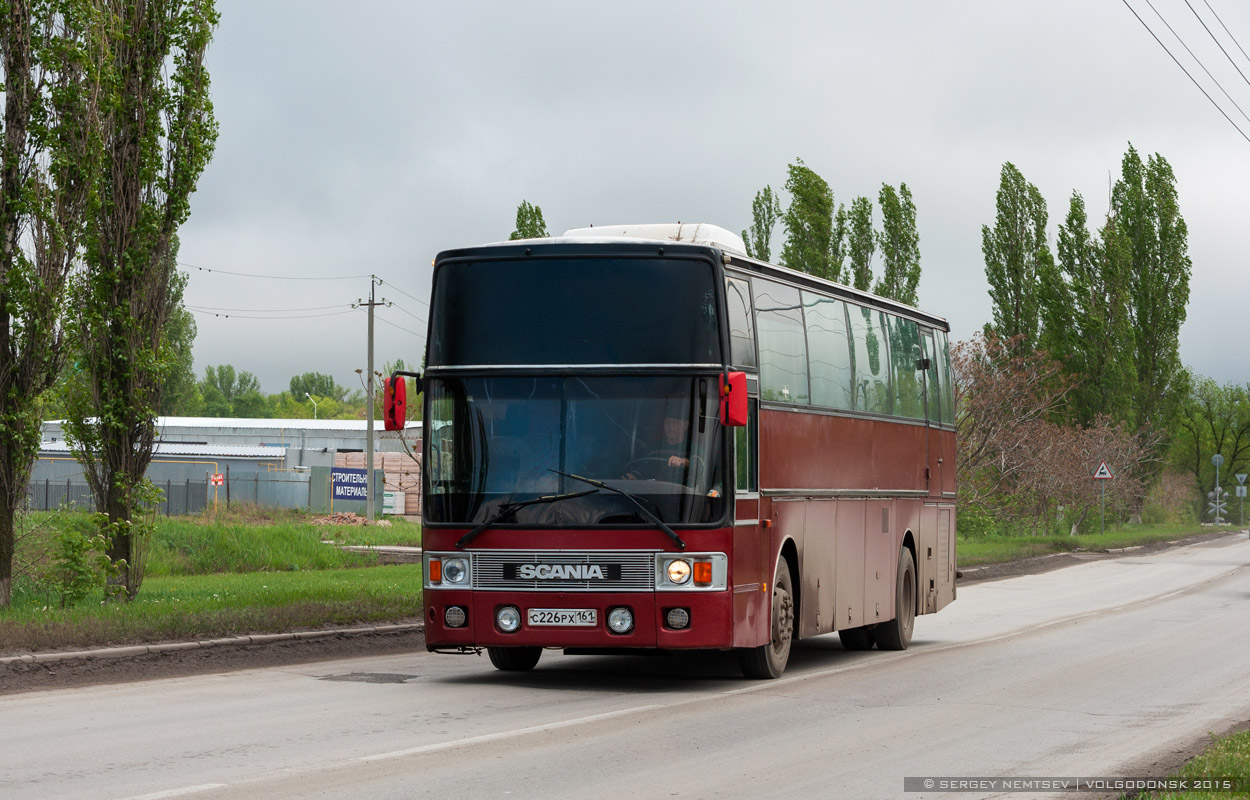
[[1103, 473], [1218, 504]]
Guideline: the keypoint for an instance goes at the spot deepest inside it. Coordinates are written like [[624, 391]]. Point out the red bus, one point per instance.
[[638, 438]]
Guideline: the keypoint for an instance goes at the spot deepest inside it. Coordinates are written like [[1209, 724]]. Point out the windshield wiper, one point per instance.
[[507, 509], [645, 511]]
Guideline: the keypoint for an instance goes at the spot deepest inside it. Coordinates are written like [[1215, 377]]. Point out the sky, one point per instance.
[[361, 139]]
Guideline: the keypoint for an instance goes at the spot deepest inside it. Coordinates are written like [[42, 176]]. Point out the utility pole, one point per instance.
[[370, 503]]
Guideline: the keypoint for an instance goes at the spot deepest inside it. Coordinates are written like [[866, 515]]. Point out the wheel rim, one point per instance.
[[783, 620]]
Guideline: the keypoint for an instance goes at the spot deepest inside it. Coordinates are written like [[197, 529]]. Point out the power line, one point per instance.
[[1217, 43], [275, 277], [1226, 30], [405, 330], [264, 310], [406, 311], [250, 316], [405, 294], [1187, 75], [1196, 59]]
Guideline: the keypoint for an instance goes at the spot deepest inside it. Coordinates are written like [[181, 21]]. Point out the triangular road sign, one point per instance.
[[1241, 478], [1103, 473]]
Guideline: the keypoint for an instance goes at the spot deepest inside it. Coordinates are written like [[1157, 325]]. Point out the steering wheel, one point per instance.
[[654, 466]]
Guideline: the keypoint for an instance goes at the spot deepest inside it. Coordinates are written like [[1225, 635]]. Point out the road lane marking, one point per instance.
[[203, 787], [494, 737]]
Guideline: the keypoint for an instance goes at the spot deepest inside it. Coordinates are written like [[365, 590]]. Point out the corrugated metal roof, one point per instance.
[[167, 449], [358, 425]]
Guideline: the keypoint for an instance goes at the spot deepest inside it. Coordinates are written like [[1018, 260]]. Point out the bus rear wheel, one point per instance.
[[514, 659], [857, 638], [896, 634], [769, 660]]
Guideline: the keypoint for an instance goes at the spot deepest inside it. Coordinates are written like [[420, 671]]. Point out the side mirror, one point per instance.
[[733, 400], [394, 403]]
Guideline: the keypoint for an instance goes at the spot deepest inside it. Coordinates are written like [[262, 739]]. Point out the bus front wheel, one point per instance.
[[514, 659], [769, 660], [896, 634]]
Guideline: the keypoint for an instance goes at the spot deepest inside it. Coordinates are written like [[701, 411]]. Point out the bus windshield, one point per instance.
[[499, 441]]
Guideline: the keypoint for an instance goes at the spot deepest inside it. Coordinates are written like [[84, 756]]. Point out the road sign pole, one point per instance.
[[1102, 510]]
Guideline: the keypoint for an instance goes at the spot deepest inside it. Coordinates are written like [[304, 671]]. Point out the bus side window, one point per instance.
[[746, 446], [906, 374], [943, 358], [741, 328], [783, 343]]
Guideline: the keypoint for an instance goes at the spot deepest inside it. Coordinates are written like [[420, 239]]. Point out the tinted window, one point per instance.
[[908, 381], [829, 351], [741, 326], [944, 377], [783, 350], [872, 366], [574, 311]]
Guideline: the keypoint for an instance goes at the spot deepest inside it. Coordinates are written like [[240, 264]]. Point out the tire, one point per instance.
[[514, 659], [896, 634], [857, 638], [769, 660]]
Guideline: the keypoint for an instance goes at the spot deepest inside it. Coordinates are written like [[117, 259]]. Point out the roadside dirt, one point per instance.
[[226, 658]]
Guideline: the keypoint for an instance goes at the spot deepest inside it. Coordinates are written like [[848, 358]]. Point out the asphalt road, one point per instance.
[[1110, 668]]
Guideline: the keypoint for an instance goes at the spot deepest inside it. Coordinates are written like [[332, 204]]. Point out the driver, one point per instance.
[[671, 452]]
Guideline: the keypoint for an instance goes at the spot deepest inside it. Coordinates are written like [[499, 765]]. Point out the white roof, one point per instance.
[[267, 424], [165, 449], [689, 232]]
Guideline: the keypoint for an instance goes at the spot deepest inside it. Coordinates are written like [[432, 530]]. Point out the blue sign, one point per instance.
[[349, 484]]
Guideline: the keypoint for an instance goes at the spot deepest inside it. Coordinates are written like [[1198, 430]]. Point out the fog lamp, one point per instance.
[[679, 571], [508, 619], [621, 620], [677, 618], [455, 617]]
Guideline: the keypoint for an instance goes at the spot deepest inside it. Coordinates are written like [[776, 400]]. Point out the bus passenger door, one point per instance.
[[936, 553], [751, 553]]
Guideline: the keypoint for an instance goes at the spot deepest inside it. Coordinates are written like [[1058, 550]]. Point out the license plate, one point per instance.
[[568, 617]]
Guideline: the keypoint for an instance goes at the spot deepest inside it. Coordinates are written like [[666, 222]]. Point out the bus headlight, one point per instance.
[[621, 620], [455, 570], [508, 619], [679, 571]]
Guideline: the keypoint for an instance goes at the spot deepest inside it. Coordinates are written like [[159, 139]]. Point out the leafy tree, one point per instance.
[[230, 394], [765, 212], [318, 385], [49, 161], [157, 132], [180, 396], [1086, 322], [1147, 214], [809, 223], [900, 245], [1016, 253], [529, 223], [1212, 419], [861, 242]]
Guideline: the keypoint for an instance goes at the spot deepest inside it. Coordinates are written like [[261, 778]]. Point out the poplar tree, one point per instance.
[[765, 212], [861, 242], [158, 132], [1015, 252], [1147, 215], [809, 223], [899, 243], [48, 165], [529, 223]]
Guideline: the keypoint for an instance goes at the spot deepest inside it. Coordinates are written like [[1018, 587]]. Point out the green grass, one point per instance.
[[208, 606], [997, 549], [246, 571], [1228, 757]]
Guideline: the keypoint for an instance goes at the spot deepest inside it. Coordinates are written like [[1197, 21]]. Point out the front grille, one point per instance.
[[622, 570]]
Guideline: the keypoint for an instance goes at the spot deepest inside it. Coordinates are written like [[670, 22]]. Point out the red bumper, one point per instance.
[[711, 620]]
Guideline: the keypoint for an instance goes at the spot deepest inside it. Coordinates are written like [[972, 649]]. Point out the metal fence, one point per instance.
[[283, 490]]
